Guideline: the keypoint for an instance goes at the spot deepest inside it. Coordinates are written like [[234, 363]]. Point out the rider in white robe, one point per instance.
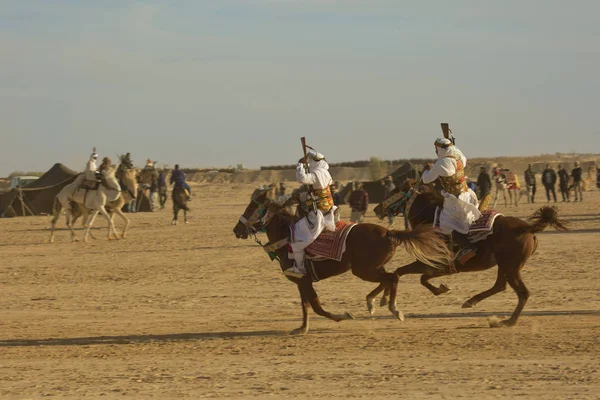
[[460, 203], [321, 217]]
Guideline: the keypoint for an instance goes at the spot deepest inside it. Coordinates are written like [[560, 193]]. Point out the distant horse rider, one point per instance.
[[90, 179], [460, 203], [320, 217], [178, 178]]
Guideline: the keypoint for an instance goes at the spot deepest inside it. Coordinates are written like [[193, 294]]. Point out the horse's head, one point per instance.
[[255, 217], [129, 179], [396, 202]]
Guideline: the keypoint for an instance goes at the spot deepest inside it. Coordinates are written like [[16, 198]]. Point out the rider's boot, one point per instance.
[[297, 270], [467, 250]]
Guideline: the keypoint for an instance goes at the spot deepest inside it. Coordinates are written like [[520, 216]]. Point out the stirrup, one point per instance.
[[294, 272]]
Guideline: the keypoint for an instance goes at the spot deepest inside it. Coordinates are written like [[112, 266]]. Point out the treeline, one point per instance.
[[356, 164], [191, 170]]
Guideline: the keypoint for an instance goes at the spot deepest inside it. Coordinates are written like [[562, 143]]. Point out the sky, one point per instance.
[[220, 83]]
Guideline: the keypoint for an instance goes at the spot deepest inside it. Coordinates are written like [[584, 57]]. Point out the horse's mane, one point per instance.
[[281, 212], [434, 199]]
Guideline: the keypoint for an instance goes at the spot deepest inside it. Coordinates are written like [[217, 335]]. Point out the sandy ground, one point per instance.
[[190, 311]]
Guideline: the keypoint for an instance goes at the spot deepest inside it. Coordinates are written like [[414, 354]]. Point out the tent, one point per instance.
[[375, 189], [37, 198]]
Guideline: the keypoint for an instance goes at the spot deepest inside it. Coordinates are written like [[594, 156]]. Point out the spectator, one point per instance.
[[359, 202], [530, 183], [501, 186], [388, 187], [484, 182], [577, 182], [282, 189], [335, 193], [563, 183], [549, 181]]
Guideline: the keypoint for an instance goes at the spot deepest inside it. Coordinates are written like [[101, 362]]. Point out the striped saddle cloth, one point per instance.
[[330, 245]]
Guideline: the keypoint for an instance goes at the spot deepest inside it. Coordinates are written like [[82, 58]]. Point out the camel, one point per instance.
[[128, 178], [108, 190]]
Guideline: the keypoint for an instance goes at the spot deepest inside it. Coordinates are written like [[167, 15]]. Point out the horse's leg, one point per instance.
[[87, 230], [514, 280], [371, 298], [111, 225], [303, 330], [185, 220], [311, 296], [498, 287], [124, 217], [58, 212], [69, 221], [175, 212], [427, 273], [393, 285], [434, 289]]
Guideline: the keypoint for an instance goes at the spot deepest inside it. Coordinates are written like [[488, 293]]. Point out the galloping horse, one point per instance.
[[129, 191], [180, 199], [368, 248], [510, 245], [108, 190]]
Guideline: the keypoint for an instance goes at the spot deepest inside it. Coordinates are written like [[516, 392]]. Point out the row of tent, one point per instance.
[[37, 198]]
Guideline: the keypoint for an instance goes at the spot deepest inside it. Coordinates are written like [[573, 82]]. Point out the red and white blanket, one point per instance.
[[329, 244], [478, 230]]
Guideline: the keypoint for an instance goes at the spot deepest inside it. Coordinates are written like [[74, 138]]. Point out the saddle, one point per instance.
[[330, 245]]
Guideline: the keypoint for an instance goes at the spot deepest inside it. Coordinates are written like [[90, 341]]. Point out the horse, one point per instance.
[[128, 178], [92, 199], [148, 180], [368, 248], [180, 198], [509, 247]]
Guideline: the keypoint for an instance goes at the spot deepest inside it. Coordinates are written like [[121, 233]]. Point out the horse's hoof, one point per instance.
[[467, 305], [399, 315], [443, 289], [370, 307], [174, 222], [186, 222], [299, 331]]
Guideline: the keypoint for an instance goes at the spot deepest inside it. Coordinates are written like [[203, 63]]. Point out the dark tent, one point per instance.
[[37, 198], [375, 188]]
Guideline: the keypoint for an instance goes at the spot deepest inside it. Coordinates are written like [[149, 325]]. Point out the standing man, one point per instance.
[[388, 187], [549, 181], [577, 182], [162, 188], [530, 183], [359, 202], [563, 183], [484, 182], [501, 186]]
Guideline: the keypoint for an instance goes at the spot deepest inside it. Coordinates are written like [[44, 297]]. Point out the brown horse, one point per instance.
[[510, 245], [368, 248], [180, 199]]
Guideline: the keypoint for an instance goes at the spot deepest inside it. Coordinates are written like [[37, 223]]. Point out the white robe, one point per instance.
[[304, 234], [458, 212], [90, 170]]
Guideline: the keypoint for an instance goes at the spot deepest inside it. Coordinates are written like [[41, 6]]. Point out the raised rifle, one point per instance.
[[309, 189], [448, 132]]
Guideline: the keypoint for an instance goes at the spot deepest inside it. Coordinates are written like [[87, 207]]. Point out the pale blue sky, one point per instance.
[[217, 83]]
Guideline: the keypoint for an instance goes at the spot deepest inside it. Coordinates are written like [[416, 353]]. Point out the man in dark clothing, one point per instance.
[[359, 202], [162, 188], [178, 178], [549, 181], [577, 182], [530, 184], [126, 161], [563, 183], [388, 187], [484, 182]]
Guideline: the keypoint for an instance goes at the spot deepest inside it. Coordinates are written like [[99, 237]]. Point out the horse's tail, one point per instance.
[[544, 217], [424, 244]]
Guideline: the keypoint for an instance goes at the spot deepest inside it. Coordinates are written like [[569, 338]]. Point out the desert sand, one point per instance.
[[189, 311]]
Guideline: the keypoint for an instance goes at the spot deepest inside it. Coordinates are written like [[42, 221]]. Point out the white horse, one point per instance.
[[95, 200], [129, 179]]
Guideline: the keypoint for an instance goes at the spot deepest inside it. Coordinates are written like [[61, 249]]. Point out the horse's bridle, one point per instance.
[[259, 214]]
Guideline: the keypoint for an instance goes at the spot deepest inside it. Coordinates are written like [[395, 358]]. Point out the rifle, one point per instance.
[[309, 189], [448, 132]]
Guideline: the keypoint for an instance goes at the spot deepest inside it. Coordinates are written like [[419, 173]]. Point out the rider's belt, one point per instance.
[[457, 183], [323, 198]]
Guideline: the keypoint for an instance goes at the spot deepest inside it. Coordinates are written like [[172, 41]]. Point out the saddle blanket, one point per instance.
[[330, 245], [478, 230]]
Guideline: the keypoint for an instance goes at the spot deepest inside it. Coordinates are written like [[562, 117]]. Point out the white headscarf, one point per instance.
[[445, 148]]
